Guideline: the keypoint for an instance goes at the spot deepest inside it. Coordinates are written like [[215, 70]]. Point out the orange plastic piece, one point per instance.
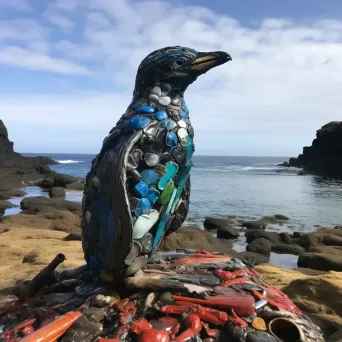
[[52, 331], [259, 324]]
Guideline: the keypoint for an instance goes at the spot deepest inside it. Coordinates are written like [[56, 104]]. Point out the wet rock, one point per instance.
[[227, 233], [255, 257], [45, 204], [285, 237], [271, 236], [75, 186], [327, 237], [326, 249], [281, 217], [195, 238], [254, 225], [260, 246], [287, 249], [321, 261], [63, 180], [57, 192], [5, 205], [216, 222], [46, 183], [298, 234]]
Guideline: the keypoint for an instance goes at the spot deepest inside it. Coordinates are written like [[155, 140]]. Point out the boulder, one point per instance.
[[63, 180], [260, 246], [324, 156], [327, 237], [75, 186], [227, 233], [287, 249], [44, 204], [337, 337], [57, 192], [6, 146], [321, 261], [285, 237], [254, 225], [46, 183], [5, 205], [255, 258], [195, 238], [271, 236], [297, 235], [281, 217], [216, 222]]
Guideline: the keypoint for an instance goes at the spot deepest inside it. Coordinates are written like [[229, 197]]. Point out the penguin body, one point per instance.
[[138, 187]]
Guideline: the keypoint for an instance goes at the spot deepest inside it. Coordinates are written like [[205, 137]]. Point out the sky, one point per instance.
[[67, 70]]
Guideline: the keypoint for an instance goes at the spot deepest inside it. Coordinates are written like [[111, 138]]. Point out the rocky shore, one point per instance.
[[324, 156], [50, 225]]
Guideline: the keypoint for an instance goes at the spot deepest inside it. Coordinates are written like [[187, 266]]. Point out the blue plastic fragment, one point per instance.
[[168, 124], [161, 228], [141, 189], [189, 146], [183, 115], [183, 172], [135, 123], [171, 139], [161, 115], [149, 177], [95, 267], [153, 195], [171, 171], [185, 107], [146, 109], [143, 207]]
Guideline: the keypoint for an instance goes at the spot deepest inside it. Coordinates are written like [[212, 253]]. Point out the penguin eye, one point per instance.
[[178, 62]]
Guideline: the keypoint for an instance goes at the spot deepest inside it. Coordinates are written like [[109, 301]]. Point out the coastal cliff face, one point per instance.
[[324, 156], [6, 146]]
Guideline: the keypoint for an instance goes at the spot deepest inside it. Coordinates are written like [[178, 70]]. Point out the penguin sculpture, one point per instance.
[[139, 184]]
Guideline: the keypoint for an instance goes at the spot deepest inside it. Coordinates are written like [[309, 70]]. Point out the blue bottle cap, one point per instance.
[[143, 207], [141, 189], [146, 109], [149, 177]]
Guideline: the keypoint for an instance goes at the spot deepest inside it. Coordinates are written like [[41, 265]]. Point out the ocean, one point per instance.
[[246, 187]]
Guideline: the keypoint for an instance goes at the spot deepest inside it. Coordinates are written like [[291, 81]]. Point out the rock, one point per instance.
[[326, 249], [298, 234], [63, 180], [320, 294], [216, 222], [46, 183], [261, 246], [329, 327], [6, 146], [57, 192], [327, 237], [281, 217], [75, 186], [254, 225], [321, 261], [61, 220], [287, 249], [195, 238], [5, 205], [271, 236], [44, 204], [227, 233], [254, 257], [324, 156], [285, 237], [314, 292], [338, 227]]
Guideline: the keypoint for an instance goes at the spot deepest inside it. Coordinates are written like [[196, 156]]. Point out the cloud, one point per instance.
[[20, 5], [24, 58], [284, 81], [59, 20]]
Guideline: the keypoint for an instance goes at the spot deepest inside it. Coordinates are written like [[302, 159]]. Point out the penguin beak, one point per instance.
[[208, 60]]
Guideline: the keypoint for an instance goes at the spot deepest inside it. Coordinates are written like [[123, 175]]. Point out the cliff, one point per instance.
[[324, 156]]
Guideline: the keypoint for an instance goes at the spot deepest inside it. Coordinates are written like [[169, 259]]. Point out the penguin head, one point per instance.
[[178, 66]]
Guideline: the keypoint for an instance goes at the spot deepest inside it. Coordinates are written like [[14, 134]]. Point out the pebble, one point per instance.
[[133, 253], [164, 101], [156, 91], [137, 264], [153, 97]]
